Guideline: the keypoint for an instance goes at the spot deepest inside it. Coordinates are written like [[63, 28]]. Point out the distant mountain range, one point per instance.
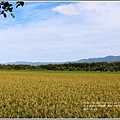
[[33, 63], [101, 59], [89, 60]]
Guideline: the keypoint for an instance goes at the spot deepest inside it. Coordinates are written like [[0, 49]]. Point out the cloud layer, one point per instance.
[[61, 31]]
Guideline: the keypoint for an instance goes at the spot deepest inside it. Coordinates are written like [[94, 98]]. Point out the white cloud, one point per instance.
[[101, 12], [69, 9]]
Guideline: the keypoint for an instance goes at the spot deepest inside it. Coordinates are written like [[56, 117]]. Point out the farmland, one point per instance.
[[59, 95]]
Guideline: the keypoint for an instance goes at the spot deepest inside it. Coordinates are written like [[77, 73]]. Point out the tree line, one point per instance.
[[95, 66]]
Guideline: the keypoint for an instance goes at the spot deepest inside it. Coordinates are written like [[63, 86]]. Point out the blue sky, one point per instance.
[[60, 31]]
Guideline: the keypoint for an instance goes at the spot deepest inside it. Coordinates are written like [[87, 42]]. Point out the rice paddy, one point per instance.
[[59, 95]]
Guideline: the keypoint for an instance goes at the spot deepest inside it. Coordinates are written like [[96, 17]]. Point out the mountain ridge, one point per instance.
[[108, 59]]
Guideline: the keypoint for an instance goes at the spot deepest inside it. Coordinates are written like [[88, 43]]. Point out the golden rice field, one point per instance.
[[59, 95]]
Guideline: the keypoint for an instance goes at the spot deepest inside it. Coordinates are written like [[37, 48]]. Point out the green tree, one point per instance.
[[6, 7]]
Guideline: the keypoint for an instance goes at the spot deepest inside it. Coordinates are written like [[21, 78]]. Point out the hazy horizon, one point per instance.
[[60, 31]]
